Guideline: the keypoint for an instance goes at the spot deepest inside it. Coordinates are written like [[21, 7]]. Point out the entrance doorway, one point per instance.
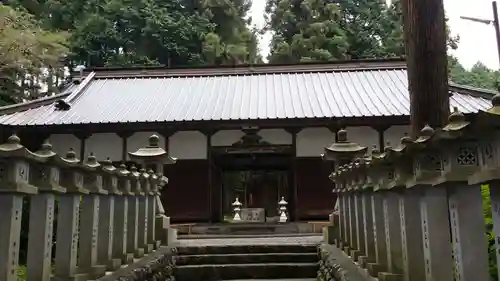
[[255, 189]]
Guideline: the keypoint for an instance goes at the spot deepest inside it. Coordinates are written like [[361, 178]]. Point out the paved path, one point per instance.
[[307, 240]]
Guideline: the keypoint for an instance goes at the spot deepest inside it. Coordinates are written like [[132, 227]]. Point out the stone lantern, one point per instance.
[[72, 173], [342, 152], [89, 218], [485, 126], [403, 166], [488, 172], [14, 185], [371, 170], [134, 221], [460, 153], [124, 184], [384, 168], [433, 204], [110, 177], [154, 155], [427, 163], [93, 180], [67, 251], [135, 181], [120, 213]]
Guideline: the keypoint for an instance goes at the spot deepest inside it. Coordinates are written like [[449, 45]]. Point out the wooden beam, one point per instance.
[[425, 36]]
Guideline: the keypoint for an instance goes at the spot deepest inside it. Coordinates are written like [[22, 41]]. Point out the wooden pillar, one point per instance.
[[214, 192], [82, 136], [124, 136], [381, 139], [214, 216], [294, 192], [425, 36]]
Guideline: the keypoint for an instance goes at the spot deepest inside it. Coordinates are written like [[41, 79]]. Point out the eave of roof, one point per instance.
[[75, 92]]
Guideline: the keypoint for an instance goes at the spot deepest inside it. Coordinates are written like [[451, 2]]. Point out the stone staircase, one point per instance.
[[291, 262]]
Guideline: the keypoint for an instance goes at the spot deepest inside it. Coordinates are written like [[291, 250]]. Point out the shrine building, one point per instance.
[[253, 131]]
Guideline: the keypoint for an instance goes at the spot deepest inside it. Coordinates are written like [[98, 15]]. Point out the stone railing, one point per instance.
[[415, 211], [104, 216]]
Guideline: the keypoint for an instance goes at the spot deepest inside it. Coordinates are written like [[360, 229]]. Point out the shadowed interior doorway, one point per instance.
[[255, 189]]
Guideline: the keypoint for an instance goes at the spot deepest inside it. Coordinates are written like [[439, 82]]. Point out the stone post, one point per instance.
[[375, 177], [143, 212], [366, 189], [151, 212], [154, 155], [488, 171], [427, 166], [357, 181], [14, 185], [392, 223], [119, 246], [343, 152], [68, 220], [461, 160], [338, 218], [44, 175], [133, 214], [339, 189], [89, 219], [106, 228], [353, 240], [409, 212]]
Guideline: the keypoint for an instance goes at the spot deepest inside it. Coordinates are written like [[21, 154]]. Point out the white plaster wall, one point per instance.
[[394, 134], [104, 145], [61, 143], [364, 136], [226, 137], [141, 139], [311, 142], [276, 136], [188, 145]]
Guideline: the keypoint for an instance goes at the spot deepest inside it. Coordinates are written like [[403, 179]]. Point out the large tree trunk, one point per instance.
[[425, 36]]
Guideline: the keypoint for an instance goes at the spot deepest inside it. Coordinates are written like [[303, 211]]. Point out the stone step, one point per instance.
[[246, 249], [246, 258], [253, 236], [216, 272]]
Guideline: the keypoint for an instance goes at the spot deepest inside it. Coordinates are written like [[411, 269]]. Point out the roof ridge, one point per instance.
[[472, 91], [245, 65], [7, 109], [80, 89], [251, 69]]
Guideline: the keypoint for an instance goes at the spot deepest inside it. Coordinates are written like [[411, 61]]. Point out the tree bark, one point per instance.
[[425, 39]]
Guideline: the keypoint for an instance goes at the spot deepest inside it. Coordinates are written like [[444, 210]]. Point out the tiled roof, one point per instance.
[[321, 91]]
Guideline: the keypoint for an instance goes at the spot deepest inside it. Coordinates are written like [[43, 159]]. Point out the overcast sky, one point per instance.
[[477, 41]]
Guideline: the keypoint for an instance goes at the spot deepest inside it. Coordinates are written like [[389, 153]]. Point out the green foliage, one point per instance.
[[151, 32], [478, 76], [322, 30], [30, 55], [485, 191]]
